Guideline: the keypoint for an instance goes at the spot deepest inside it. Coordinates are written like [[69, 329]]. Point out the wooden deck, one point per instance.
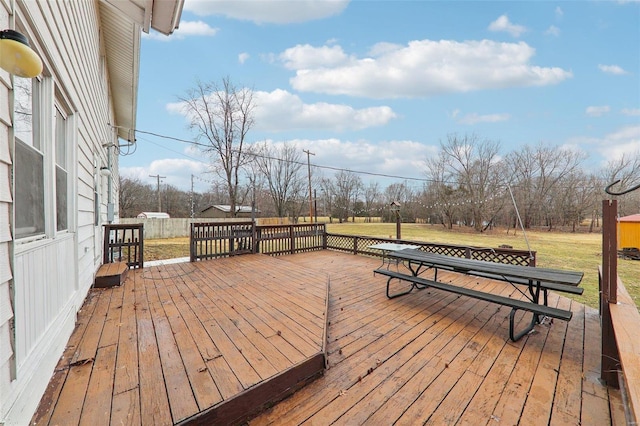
[[175, 341], [202, 343]]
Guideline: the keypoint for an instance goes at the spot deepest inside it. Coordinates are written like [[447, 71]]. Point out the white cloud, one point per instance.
[[503, 24], [268, 11], [598, 111], [624, 141], [280, 110], [553, 31], [612, 69], [633, 112], [420, 69], [386, 157], [559, 12], [475, 118], [307, 56], [243, 57], [613, 145]]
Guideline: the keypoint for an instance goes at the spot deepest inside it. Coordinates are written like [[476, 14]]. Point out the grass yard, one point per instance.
[[559, 250]]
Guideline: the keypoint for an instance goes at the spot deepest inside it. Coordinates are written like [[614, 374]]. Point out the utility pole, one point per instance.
[[306, 151], [192, 199], [158, 190]]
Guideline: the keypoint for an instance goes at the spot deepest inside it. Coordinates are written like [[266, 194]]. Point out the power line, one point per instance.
[[255, 154], [324, 167]]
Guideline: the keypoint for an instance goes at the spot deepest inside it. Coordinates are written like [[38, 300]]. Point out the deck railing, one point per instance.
[[209, 240], [289, 239], [360, 245], [124, 243], [620, 361]]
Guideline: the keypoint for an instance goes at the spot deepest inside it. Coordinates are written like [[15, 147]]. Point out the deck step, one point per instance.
[[111, 275]]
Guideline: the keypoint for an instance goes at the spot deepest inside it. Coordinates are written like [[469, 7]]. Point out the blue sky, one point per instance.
[[376, 85]]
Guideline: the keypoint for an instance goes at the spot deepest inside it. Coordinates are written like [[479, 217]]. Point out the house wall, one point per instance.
[[628, 235], [6, 275], [50, 277]]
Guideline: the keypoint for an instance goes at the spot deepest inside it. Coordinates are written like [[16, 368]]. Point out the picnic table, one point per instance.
[[537, 281]]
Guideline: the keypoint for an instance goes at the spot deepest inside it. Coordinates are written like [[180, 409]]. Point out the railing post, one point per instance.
[[292, 240], [609, 364], [355, 245], [105, 244], [324, 236]]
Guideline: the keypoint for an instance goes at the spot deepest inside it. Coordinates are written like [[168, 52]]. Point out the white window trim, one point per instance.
[[47, 100]]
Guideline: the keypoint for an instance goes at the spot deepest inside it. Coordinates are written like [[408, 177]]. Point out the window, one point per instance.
[[28, 161], [42, 160], [61, 170]]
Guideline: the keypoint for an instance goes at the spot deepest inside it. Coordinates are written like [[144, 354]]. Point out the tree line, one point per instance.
[[470, 182]]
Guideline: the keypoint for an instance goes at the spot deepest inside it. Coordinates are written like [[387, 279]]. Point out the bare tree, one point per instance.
[[222, 115], [284, 176], [135, 197], [344, 190], [371, 198], [536, 173], [472, 164]]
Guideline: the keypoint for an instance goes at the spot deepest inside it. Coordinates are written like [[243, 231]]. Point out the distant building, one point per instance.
[[223, 211], [153, 215], [629, 231]]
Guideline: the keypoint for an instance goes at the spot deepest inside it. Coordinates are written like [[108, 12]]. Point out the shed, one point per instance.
[[224, 211], [153, 215], [629, 231]]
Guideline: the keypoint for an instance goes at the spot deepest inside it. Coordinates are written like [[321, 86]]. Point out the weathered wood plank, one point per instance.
[[543, 388], [204, 389], [125, 408], [154, 403], [88, 346], [68, 409], [181, 398], [126, 374], [568, 399], [111, 329], [97, 406]]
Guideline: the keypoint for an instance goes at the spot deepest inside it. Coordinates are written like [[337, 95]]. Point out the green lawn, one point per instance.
[[578, 252]]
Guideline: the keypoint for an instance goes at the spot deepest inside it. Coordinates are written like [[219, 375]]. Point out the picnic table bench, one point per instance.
[[537, 280]]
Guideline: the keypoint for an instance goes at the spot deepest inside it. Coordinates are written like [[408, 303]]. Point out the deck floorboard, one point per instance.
[[176, 341]]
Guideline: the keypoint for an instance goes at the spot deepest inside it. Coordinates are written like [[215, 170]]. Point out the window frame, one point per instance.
[[47, 101]]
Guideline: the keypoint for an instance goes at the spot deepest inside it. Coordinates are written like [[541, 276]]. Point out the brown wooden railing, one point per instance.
[[220, 239], [211, 240], [360, 245], [289, 239], [620, 362], [124, 243]]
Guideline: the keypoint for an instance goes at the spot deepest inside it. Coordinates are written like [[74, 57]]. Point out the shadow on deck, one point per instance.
[[176, 341]]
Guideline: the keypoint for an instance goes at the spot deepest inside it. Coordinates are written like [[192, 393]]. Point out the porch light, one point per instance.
[[105, 171], [17, 57]]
